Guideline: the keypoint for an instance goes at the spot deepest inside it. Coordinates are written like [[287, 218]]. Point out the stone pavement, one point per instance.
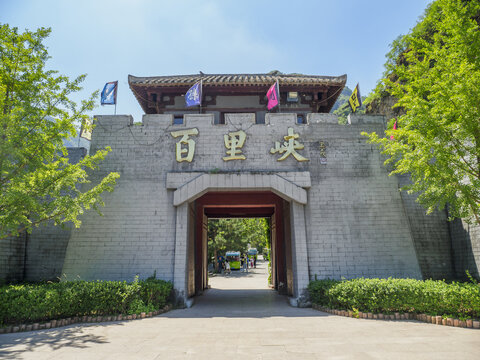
[[240, 318]]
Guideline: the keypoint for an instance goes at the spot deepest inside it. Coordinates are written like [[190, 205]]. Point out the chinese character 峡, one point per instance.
[[289, 147], [185, 140], [234, 142]]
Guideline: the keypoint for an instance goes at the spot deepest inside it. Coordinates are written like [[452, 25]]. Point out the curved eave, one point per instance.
[[253, 84], [236, 79]]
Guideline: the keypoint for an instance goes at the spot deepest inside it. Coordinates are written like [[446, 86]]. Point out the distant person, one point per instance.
[[220, 263], [255, 261], [227, 267]]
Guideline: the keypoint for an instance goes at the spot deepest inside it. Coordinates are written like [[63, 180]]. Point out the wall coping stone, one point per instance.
[[201, 184]]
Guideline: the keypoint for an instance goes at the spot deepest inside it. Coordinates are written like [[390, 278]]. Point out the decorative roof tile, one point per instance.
[[238, 79], [253, 84]]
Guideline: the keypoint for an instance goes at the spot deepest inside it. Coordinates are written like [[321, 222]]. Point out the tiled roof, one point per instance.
[[237, 79]]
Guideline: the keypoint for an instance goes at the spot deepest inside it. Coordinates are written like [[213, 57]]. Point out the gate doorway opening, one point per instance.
[[234, 238], [252, 204]]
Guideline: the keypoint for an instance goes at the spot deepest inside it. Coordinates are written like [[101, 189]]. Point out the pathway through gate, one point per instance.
[[241, 318], [240, 294]]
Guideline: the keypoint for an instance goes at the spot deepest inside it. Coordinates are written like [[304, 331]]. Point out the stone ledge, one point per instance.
[[157, 120], [116, 120], [365, 119], [81, 319], [175, 180], [436, 320], [238, 182]]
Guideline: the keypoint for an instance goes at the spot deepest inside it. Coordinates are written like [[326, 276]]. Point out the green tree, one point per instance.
[[37, 183], [236, 234], [434, 73]]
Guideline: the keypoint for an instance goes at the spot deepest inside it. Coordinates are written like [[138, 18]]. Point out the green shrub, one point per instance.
[[45, 301], [318, 291], [399, 295], [137, 306]]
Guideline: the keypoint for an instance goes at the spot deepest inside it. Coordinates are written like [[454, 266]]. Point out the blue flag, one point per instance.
[[109, 93], [194, 95]]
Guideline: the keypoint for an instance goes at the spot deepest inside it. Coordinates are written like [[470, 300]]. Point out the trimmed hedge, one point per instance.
[[47, 301], [388, 296]]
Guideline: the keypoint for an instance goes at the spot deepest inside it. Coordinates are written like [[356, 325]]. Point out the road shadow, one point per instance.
[[251, 272], [12, 346], [242, 303], [242, 294]]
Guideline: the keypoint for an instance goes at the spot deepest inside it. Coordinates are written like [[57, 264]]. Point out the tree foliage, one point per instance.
[[236, 234], [37, 183], [434, 73]]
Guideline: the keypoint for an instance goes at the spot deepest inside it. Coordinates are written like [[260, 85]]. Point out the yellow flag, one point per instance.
[[86, 130], [355, 100]]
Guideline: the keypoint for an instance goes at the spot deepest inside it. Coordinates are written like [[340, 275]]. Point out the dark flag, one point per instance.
[[355, 100], [109, 93], [194, 95]]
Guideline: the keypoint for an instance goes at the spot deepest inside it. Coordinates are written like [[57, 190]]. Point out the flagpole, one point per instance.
[[201, 96], [278, 94], [115, 96]]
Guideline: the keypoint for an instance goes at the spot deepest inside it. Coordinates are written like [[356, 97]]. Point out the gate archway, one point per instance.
[[231, 195], [244, 205]]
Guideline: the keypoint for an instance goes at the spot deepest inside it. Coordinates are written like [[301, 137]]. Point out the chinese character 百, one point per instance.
[[289, 147], [234, 142], [190, 144]]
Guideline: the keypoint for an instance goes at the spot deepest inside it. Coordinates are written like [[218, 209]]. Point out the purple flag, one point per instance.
[[194, 95]]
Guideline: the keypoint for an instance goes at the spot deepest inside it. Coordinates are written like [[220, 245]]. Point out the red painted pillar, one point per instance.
[[280, 248], [198, 248]]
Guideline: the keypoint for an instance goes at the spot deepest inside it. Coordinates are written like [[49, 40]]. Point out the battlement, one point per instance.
[[237, 119]]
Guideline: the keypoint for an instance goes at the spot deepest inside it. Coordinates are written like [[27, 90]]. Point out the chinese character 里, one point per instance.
[[234, 142]]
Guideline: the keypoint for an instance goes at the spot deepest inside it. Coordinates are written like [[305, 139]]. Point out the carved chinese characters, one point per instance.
[[180, 149], [234, 142], [323, 153], [289, 147]]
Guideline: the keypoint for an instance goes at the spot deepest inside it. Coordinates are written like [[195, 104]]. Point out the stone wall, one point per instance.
[[136, 232], [12, 258], [466, 248], [356, 225], [431, 237], [45, 247]]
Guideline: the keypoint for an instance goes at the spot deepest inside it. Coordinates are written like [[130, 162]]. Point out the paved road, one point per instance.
[[240, 318]]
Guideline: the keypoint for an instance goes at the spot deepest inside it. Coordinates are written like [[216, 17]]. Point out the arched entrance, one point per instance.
[[244, 205], [240, 195]]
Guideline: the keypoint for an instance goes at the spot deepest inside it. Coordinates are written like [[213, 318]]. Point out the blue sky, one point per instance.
[[109, 39]]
